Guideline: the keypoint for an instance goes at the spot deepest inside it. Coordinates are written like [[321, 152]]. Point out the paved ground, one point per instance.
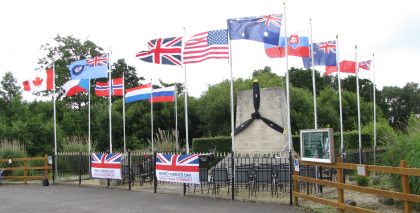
[[60, 198]]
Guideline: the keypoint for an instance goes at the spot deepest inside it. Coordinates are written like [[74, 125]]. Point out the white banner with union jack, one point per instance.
[[106, 166], [177, 168]]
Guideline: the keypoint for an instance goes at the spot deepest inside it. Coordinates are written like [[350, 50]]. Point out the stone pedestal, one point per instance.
[[259, 138]]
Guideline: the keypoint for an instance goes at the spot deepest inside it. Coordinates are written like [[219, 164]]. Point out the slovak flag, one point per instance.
[[166, 94], [75, 86], [177, 168], [43, 80], [106, 165], [138, 93], [297, 46]]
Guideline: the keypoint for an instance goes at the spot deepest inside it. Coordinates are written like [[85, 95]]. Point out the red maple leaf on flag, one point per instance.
[[37, 81]]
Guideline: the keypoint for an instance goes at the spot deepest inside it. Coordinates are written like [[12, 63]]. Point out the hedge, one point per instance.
[[221, 143]]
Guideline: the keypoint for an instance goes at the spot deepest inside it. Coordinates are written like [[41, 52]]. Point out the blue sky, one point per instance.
[[391, 31]]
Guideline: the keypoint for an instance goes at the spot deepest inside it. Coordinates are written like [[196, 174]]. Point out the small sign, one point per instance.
[[50, 160], [296, 164], [9, 161], [361, 170]]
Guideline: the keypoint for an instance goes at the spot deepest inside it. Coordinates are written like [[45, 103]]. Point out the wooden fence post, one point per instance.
[[46, 167], [340, 192], [405, 186], [295, 188], [25, 170]]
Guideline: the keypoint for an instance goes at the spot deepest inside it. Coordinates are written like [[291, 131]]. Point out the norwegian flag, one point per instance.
[[106, 165], [100, 60], [365, 65], [177, 168], [163, 51]]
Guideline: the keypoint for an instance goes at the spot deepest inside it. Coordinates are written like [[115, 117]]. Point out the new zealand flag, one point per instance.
[[325, 54]]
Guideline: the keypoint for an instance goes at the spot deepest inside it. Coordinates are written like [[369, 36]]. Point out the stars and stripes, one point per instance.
[[207, 45], [163, 51]]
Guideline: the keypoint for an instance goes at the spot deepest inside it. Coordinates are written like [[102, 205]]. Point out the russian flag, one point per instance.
[[166, 94], [75, 86], [138, 93]]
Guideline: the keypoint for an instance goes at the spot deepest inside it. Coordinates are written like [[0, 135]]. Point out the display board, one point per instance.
[[317, 145]]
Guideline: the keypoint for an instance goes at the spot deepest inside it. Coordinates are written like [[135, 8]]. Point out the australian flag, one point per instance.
[[264, 29], [325, 54], [163, 51]]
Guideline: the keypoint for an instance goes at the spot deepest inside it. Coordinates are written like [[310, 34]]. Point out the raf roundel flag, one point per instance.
[[82, 70]]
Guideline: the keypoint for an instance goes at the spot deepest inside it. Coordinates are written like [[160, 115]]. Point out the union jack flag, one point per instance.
[[163, 51], [106, 161], [177, 163], [100, 60], [365, 65]]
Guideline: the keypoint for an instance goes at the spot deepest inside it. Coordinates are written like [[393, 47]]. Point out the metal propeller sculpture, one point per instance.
[[256, 114]]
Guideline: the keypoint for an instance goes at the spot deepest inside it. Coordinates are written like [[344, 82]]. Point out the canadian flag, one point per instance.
[[40, 82]]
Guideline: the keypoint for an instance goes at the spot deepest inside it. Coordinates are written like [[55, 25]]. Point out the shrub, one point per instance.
[[11, 149], [362, 180], [75, 144], [405, 147], [164, 141], [221, 143]]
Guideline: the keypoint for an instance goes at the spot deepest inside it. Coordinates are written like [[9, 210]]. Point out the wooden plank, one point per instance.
[[23, 177], [338, 205], [367, 190], [405, 187], [23, 159], [295, 187], [29, 167], [340, 191]]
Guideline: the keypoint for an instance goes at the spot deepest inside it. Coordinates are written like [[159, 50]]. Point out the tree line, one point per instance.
[[31, 123]]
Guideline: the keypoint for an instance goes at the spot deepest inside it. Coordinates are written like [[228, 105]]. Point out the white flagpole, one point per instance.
[[176, 121], [125, 147], [187, 146], [232, 114], [358, 106], [55, 123], [289, 126], [151, 114], [374, 110], [339, 97], [110, 104], [313, 77], [89, 140]]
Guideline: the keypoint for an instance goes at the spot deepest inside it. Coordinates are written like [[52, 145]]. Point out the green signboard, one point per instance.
[[317, 145]]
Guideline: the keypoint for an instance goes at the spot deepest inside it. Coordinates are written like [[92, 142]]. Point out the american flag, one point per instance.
[[100, 60], [365, 65], [177, 163], [206, 45], [163, 51], [106, 161]]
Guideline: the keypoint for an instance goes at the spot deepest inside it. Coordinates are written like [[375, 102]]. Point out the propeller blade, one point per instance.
[[272, 125], [243, 126], [256, 95]]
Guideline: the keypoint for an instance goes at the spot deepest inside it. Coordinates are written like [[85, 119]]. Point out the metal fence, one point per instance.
[[221, 175]]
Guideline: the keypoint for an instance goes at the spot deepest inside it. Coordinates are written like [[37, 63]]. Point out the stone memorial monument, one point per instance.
[[261, 117]]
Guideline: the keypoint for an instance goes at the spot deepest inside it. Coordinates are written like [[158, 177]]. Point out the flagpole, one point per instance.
[[358, 106], [55, 123], [110, 105], [176, 121], [289, 126], [313, 77], [374, 110], [125, 147], [187, 146], [232, 114], [339, 98], [151, 114], [89, 142]]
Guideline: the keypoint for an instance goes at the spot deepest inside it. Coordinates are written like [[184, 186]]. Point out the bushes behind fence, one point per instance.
[[221, 143]]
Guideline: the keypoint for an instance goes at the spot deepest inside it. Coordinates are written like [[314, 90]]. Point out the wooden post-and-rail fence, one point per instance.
[[402, 170], [26, 168]]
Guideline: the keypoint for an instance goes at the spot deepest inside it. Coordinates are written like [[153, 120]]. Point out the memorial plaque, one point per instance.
[[317, 145]]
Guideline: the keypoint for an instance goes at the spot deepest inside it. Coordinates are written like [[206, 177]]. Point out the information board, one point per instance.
[[317, 145]]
